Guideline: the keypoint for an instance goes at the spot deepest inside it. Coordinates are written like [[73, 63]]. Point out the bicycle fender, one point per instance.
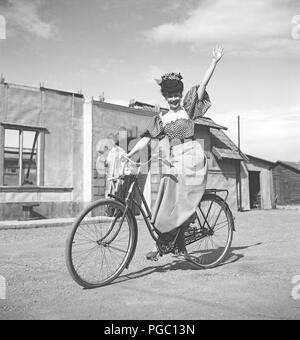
[[233, 218], [132, 217], [117, 198], [227, 206]]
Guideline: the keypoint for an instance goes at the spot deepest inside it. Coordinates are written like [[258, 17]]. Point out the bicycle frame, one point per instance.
[[211, 191], [118, 208], [130, 201]]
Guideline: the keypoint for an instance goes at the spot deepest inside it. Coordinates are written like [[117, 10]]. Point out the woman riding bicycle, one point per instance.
[[182, 188]]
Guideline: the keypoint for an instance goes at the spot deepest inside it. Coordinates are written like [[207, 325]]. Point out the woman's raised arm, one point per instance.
[[217, 56]]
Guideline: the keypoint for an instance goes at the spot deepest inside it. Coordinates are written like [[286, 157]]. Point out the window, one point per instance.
[[22, 155]]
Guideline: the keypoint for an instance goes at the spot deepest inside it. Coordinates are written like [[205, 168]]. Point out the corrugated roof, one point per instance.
[[292, 165]]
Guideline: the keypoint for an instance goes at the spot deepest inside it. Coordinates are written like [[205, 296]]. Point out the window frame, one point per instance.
[[40, 155]]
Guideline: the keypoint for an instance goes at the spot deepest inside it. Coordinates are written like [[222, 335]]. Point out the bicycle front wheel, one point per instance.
[[209, 238], [101, 244]]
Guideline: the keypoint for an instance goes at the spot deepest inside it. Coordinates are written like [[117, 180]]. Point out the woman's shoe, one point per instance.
[[152, 255]]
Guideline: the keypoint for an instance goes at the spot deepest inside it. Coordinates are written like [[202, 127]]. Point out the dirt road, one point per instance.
[[255, 283]]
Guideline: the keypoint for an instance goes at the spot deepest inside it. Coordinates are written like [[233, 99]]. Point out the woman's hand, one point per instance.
[[125, 158], [218, 53]]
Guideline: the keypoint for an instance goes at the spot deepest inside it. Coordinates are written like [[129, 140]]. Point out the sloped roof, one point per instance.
[[204, 121], [226, 153], [291, 165], [223, 146], [261, 160]]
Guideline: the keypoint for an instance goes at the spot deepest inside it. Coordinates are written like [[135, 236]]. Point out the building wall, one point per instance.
[[109, 119], [12, 211], [245, 204], [71, 161], [222, 174], [266, 182], [286, 185], [61, 114]]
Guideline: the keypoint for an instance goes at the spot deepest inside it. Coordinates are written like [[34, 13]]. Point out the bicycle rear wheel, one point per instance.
[[101, 244], [208, 240]]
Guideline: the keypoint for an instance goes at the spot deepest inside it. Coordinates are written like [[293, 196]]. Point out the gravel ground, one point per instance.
[[254, 283]]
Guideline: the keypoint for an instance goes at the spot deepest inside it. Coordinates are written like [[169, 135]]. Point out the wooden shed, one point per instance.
[[260, 181], [286, 177]]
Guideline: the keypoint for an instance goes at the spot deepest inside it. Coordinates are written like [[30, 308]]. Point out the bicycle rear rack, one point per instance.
[[215, 191]]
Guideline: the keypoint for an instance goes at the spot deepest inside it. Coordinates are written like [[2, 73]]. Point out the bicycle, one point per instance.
[[104, 237]]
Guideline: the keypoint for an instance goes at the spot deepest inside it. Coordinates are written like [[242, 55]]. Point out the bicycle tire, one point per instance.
[[198, 233], [113, 211]]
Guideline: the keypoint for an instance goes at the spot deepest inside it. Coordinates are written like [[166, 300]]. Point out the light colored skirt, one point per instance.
[[181, 187]]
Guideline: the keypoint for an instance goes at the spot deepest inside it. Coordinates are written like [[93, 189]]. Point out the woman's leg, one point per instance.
[[180, 192], [180, 242], [152, 255]]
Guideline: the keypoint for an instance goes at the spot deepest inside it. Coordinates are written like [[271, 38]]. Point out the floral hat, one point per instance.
[[171, 82]]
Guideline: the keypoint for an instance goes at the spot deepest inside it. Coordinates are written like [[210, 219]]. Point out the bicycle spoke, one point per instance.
[[82, 262], [221, 224], [86, 238], [77, 244], [88, 231], [118, 249], [213, 222]]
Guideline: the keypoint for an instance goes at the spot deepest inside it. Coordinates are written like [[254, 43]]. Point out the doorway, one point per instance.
[[254, 190]]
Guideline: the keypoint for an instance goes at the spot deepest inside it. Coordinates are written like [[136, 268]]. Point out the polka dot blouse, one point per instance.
[[179, 125]]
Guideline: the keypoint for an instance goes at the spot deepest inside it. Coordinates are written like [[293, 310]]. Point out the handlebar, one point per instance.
[[138, 165]]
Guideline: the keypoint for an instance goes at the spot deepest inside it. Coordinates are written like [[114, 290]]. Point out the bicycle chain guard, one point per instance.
[[194, 234]]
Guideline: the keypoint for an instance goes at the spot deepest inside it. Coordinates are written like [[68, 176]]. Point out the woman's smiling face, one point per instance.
[[173, 99]]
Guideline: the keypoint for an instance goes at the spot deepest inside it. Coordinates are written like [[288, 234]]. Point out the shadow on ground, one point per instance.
[[181, 264]]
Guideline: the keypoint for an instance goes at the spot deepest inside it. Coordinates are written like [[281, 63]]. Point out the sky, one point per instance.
[[118, 47]]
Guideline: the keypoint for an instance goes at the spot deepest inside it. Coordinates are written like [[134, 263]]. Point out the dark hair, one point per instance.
[[165, 93], [171, 86]]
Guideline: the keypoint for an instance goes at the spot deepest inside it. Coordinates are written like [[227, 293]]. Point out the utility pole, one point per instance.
[[239, 167]]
